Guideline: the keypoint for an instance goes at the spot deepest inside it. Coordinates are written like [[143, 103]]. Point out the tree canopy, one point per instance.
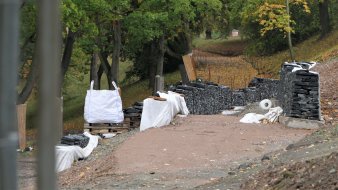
[[154, 32]]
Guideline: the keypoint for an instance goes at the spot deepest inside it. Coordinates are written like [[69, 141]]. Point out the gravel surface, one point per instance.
[[81, 171], [192, 151], [27, 163]]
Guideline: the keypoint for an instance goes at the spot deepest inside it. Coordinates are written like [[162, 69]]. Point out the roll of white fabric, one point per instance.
[[265, 104]]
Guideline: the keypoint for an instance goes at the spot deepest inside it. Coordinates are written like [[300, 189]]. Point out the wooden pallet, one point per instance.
[[132, 120], [110, 127]]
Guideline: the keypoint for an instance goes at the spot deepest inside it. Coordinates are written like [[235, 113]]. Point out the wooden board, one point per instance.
[[21, 113], [189, 67]]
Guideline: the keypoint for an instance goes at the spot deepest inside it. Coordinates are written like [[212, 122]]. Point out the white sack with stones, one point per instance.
[[271, 116], [160, 113], [252, 118], [66, 155]]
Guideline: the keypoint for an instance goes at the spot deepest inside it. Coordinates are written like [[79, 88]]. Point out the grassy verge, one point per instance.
[[309, 50], [269, 66], [232, 46]]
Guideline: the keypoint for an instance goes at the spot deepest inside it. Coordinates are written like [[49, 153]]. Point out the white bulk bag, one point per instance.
[[103, 106]]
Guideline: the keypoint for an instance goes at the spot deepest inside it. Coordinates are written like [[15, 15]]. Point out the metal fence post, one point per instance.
[[9, 57], [49, 39]]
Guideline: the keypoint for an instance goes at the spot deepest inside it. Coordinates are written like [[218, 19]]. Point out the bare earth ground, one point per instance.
[[329, 87], [310, 163], [194, 151]]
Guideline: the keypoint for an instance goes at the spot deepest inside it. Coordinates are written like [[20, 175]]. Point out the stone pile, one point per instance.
[[132, 115], [135, 109], [206, 98], [78, 140], [201, 98], [299, 91]]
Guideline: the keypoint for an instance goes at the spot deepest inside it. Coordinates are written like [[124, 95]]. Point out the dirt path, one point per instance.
[[200, 142], [192, 152], [26, 165]]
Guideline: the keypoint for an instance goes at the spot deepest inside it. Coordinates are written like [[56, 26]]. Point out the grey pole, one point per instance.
[[9, 57], [49, 39]]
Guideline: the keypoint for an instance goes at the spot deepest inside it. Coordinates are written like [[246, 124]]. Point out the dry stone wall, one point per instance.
[[299, 92], [206, 98]]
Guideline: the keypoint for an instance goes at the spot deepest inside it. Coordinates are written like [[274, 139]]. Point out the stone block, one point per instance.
[[299, 123]]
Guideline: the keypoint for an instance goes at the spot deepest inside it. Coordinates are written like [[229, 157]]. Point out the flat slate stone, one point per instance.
[[299, 123]]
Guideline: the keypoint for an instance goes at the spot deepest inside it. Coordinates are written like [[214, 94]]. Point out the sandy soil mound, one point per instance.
[[318, 174]]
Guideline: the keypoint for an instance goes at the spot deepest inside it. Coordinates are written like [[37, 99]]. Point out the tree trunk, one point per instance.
[[30, 83], [31, 80], [156, 59], [180, 45], [324, 18], [152, 74], [66, 57], [160, 56], [114, 71], [176, 48], [106, 67], [94, 68], [208, 33], [30, 39], [99, 76]]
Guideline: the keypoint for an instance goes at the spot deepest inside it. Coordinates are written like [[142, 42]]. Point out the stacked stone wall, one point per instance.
[[205, 98], [297, 92]]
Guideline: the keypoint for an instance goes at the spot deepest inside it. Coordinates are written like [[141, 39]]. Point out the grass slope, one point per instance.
[[269, 66]]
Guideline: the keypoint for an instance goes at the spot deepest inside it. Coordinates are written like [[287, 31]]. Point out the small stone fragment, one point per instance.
[[265, 157], [332, 171]]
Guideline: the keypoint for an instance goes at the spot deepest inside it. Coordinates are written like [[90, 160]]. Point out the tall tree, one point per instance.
[[154, 23], [324, 17], [151, 24], [27, 66], [272, 18]]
